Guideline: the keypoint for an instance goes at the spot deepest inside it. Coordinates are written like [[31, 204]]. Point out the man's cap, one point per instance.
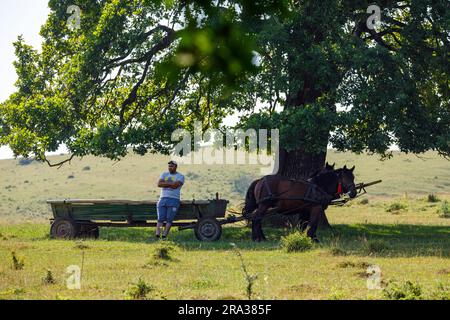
[[173, 162]]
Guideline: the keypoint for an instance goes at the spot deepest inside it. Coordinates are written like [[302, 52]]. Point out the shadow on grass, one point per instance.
[[399, 240], [241, 236], [390, 240]]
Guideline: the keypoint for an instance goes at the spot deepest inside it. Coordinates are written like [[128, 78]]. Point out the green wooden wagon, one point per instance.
[[75, 218]]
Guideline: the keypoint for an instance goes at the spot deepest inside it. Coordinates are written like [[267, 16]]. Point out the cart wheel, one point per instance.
[[208, 229], [89, 231], [64, 229]]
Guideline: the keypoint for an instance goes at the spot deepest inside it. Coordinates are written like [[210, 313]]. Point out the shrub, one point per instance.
[[139, 290], [87, 168], [18, 262], [163, 251], [395, 207], [444, 210], [405, 291], [375, 246], [49, 278], [296, 241], [71, 177], [432, 198]]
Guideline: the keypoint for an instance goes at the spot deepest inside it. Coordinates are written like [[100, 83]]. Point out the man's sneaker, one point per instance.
[[164, 237], [157, 236]]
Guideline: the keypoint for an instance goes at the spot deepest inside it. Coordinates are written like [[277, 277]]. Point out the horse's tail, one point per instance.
[[250, 199]]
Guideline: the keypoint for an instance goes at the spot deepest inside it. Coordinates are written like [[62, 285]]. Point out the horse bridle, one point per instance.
[[342, 186]]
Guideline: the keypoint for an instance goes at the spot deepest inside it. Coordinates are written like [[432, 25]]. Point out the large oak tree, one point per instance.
[[136, 70]]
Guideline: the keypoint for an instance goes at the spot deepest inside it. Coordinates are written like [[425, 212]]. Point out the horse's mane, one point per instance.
[[325, 178]]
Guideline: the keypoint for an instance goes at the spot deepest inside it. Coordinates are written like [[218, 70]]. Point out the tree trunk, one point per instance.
[[298, 165]]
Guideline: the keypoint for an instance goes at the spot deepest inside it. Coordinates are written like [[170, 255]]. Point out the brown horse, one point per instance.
[[288, 196]]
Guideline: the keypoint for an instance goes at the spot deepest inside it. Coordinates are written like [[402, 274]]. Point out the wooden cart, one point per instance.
[[73, 218]]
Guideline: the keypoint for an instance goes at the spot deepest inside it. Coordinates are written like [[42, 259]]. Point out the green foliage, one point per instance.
[[442, 292], [404, 291], [432, 198], [296, 242], [164, 251], [139, 290], [125, 79], [375, 246], [444, 210], [336, 295], [15, 291], [395, 207], [49, 278]]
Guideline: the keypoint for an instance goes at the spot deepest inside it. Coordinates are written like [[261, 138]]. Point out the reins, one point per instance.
[[314, 194]]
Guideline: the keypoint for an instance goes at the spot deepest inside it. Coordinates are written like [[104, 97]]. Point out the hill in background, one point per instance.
[[26, 185]]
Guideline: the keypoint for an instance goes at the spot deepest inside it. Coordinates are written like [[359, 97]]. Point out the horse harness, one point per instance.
[[314, 194]]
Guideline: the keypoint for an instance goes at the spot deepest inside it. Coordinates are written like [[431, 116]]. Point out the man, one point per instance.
[[169, 201]]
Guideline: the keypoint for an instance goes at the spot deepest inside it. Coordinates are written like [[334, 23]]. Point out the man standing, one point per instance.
[[169, 201]]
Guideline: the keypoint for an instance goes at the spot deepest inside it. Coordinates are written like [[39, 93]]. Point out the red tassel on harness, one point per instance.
[[339, 190]]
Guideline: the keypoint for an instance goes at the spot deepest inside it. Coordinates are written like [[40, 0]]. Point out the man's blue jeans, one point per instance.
[[167, 209]]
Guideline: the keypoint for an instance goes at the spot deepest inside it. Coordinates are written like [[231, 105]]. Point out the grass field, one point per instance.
[[396, 228]]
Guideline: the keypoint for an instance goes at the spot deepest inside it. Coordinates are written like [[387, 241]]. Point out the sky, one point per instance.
[[17, 17]]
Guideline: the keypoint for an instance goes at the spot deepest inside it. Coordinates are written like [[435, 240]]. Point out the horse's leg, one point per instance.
[[261, 233], [257, 232], [315, 214], [303, 224], [255, 227], [253, 230], [303, 220]]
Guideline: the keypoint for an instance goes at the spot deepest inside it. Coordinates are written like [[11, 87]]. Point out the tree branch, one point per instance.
[[59, 164]]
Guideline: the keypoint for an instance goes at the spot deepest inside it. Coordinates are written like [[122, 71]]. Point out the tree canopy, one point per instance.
[[136, 70]]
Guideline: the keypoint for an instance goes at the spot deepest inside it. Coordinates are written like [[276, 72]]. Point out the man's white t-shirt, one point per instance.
[[169, 192]]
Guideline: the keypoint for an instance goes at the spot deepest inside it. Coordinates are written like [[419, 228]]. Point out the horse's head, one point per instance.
[[329, 167], [346, 180]]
